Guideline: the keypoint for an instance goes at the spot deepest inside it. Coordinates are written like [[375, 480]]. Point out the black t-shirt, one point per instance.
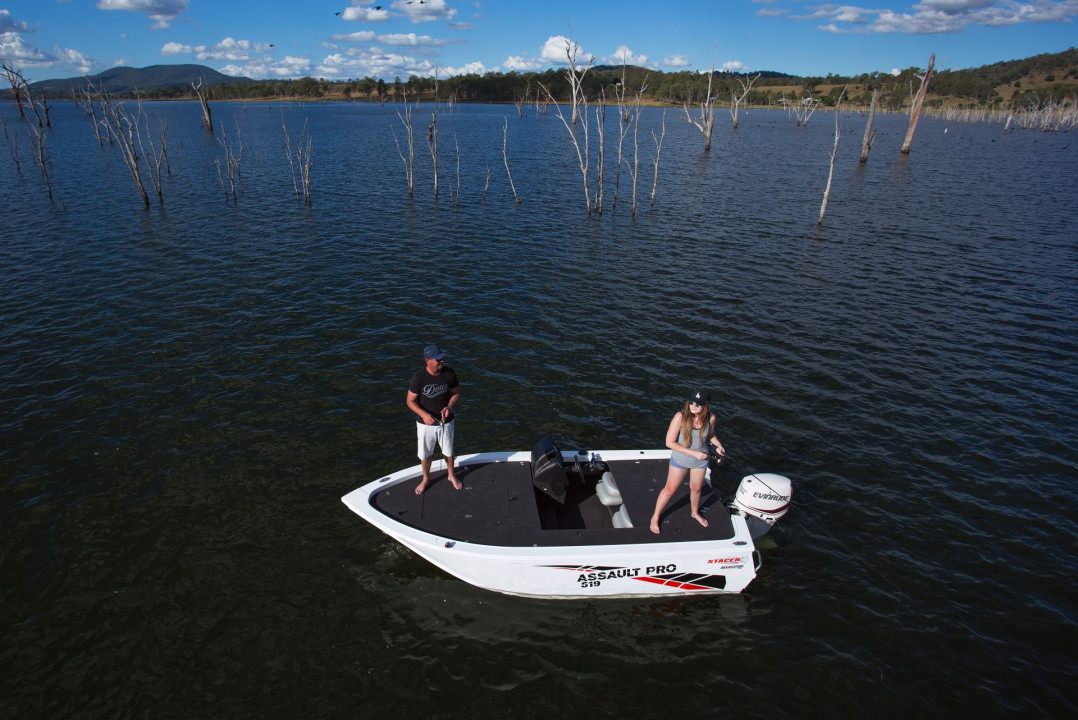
[[434, 390]]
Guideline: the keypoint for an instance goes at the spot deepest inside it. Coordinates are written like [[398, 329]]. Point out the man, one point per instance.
[[432, 394]]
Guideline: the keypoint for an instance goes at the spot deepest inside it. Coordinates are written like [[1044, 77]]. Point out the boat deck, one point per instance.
[[499, 506]]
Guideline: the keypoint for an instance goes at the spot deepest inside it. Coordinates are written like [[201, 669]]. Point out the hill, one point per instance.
[[127, 80]]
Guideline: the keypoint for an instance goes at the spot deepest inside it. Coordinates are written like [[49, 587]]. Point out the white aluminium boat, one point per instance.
[[574, 524]]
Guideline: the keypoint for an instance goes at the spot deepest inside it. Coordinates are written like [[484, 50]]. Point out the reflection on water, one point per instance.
[[187, 391]]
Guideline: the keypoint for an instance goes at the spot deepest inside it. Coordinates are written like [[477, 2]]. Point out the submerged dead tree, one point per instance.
[[707, 112], [299, 160], [127, 130], [918, 101], [505, 157], [233, 155], [409, 136], [737, 100], [870, 132], [576, 78], [658, 151], [207, 119], [432, 143], [625, 122], [834, 152], [583, 156]]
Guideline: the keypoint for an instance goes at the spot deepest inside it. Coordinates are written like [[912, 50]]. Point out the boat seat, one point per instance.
[[621, 518], [548, 475], [607, 490]]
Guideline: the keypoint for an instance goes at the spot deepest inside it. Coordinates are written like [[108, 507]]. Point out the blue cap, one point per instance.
[[431, 352]]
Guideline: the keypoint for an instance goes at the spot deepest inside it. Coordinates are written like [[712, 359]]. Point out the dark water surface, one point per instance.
[[187, 391]]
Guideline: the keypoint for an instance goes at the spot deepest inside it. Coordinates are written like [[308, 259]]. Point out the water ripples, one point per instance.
[[187, 391]]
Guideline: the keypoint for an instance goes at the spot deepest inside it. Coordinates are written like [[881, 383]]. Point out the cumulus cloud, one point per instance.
[[624, 56], [554, 51], [940, 16], [429, 11], [229, 50], [162, 11], [676, 61], [734, 66], [8, 24], [518, 63], [395, 39], [365, 14]]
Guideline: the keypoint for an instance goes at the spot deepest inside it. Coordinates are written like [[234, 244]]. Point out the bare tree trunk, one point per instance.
[[505, 157], [41, 154], [736, 100], [456, 200], [625, 120], [918, 101], [707, 113], [126, 129], [831, 173], [658, 152], [634, 167], [432, 143], [582, 155], [13, 145], [576, 80], [302, 161], [207, 120], [409, 161], [600, 160], [870, 132], [232, 163]]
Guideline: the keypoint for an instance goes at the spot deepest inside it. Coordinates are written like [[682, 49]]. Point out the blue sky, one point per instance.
[[337, 39]]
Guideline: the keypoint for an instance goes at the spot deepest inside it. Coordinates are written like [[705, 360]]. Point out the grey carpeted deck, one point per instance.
[[498, 506]]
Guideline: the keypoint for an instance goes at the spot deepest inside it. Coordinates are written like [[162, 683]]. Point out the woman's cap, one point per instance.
[[700, 397]]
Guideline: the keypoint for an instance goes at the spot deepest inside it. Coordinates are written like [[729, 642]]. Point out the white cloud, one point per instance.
[[941, 16], [162, 11], [358, 37], [229, 49], [21, 54], [517, 63], [365, 14], [735, 66], [8, 24], [425, 12], [554, 51], [624, 56], [676, 61]]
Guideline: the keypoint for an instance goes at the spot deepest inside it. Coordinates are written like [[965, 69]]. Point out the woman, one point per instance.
[[689, 433]]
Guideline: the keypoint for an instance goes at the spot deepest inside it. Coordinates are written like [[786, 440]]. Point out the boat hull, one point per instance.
[[570, 570]]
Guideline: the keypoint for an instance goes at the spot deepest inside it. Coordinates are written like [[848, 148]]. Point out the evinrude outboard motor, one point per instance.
[[762, 498]]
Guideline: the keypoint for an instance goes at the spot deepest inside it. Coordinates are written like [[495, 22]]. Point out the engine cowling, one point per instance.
[[765, 497]]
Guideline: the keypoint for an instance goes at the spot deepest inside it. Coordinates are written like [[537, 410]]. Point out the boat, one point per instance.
[[548, 523]]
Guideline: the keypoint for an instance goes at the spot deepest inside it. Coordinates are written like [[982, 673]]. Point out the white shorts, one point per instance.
[[431, 435]]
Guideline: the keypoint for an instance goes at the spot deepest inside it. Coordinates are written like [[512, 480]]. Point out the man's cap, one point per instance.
[[431, 352]]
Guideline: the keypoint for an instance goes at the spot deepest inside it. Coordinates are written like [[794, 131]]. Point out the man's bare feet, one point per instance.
[[455, 483], [655, 526], [422, 486], [701, 520]]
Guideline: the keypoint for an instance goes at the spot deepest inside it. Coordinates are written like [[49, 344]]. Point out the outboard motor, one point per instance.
[[762, 498]]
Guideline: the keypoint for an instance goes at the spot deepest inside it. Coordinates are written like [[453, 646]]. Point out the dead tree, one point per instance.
[[207, 119], [834, 152], [807, 107], [505, 157], [737, 100], [13, 145], [707, 112], [520, 98], [409, 161], [625, 120], [456, 198], [126, 130], [918, 101], [658, 151], [870, 132], [41, 154], [600, 158], [20, 91], [576, 79], [299, 160], [633, 168], [582, 154], [432, 143], [233, 155]]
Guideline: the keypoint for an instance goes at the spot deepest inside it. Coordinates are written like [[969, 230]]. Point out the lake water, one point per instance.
[[187, 390]]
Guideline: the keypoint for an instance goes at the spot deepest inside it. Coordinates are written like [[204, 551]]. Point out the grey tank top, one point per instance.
[[699, 439]]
